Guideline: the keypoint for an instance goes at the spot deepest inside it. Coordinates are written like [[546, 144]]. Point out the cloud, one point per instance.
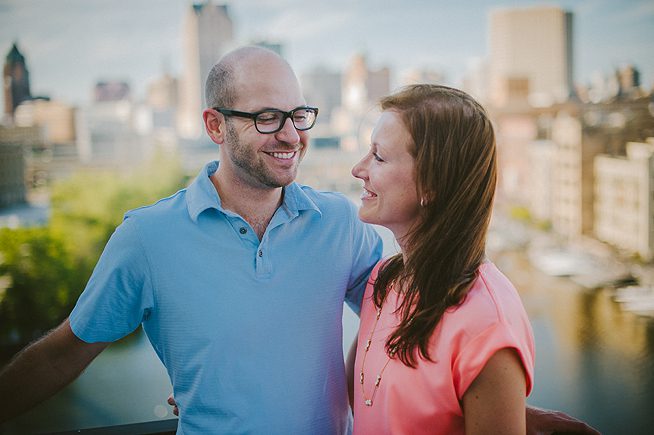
[[300, 23], [642, 11]]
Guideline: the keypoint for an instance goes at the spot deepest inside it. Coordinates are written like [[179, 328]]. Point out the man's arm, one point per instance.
[[43, 368], [349, 371], [545, 422]]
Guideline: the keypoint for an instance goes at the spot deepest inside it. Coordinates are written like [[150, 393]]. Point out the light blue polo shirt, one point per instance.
[[250, 331]]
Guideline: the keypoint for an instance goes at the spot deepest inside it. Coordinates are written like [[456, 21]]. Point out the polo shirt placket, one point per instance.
[[261, 248]]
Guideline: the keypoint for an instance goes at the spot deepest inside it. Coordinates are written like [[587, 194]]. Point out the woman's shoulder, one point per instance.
[[492, 299]]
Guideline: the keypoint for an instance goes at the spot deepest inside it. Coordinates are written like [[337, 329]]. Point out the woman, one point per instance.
[[444, 345]]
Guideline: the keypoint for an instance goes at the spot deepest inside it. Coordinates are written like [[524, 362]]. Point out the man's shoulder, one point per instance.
[[326, 198], [166, 207]]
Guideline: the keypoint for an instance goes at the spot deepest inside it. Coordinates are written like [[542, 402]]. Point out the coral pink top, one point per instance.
[[427, 399]]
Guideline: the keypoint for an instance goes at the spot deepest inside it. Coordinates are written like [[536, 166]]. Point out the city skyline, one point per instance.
[[69, 46]]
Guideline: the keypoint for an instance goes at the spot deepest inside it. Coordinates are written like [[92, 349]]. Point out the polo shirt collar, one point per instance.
[[201, 195], [296, 200]]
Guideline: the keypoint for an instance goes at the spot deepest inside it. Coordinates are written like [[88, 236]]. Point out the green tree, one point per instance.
[[40, 280], [44, 270], [86, 208]]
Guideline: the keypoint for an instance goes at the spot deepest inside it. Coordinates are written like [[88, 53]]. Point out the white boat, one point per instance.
[[634, 293], [641, 308], [561, 261], [636, 299]]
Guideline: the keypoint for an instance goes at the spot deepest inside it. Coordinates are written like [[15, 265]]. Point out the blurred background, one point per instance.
[[101, 113]]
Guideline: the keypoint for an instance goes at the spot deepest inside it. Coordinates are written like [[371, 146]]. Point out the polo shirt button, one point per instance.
[[243, 230], [260, 253]]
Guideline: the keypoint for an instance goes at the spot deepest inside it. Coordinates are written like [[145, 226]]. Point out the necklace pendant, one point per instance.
[[368, 402]]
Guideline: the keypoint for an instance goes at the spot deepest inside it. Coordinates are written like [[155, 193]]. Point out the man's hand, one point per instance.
[[546, 422], [171, 402]]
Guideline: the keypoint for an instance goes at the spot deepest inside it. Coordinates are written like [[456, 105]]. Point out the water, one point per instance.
[[593, 361], [125, 384]]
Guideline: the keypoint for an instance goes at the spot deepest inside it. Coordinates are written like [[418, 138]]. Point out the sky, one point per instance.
[[71, 44]]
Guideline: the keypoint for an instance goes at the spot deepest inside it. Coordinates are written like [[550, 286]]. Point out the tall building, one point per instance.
[[16, 146], [55, 118], [531, 46], [362, 87], [207, 35], [624, 199], [12, 173], [322, 88], [112, 90], [541, 160], [628, 78], [162, 93], [107, 129], [581, 132], [516, 128], [161, 99], [572, 178], [16, 81]]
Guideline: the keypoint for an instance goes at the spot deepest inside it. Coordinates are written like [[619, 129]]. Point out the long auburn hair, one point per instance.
[[456, 173]]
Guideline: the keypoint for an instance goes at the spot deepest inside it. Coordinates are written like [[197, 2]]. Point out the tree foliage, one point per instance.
[[44, 270]]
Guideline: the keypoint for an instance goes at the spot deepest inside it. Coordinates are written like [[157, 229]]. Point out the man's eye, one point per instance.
[[268, 117]]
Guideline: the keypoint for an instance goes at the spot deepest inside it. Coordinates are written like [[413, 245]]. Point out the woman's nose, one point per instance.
[[358, 170]]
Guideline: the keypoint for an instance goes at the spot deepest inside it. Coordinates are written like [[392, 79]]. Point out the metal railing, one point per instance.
[[161, 427]]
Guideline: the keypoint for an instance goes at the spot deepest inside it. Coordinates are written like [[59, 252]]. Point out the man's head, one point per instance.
[[252, 79]]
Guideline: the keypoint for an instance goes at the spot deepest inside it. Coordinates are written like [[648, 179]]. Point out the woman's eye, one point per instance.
[[376, 156]]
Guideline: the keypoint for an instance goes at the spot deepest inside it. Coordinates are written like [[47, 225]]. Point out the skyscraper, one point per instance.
[[16, 81], [361, 88], [322, 88], [532, 44], [207, 35]]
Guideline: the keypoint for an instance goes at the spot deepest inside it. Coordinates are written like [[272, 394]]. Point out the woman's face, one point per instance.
[[389, 195]]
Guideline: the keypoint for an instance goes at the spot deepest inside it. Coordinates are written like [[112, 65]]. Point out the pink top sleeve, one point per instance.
[[498, 322]]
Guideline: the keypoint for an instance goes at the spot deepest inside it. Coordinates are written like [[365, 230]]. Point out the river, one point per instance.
[[593, 361]]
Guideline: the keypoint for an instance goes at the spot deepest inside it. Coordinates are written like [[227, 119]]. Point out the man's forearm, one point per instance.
[[42, 369], [349, 371]]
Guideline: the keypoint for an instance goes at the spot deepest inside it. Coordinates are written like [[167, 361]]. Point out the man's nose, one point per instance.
[[288, 133]]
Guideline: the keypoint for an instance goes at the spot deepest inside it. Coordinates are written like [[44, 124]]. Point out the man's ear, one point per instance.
[[215, 125]]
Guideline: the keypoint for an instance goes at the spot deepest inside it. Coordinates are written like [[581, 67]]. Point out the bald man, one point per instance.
[[238, 280]]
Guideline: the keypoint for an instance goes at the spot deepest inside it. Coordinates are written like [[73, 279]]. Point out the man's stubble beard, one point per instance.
[[254, 168]]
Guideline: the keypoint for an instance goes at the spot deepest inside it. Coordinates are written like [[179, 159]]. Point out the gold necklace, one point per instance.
[[369, 401]]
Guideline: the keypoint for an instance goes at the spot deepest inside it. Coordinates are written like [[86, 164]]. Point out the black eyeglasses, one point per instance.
[[272, 120]]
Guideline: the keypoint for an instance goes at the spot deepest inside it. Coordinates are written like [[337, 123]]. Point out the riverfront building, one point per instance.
[[624, 199]]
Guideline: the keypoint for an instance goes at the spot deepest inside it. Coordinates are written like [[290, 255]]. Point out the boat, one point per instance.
[[636, 299]]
